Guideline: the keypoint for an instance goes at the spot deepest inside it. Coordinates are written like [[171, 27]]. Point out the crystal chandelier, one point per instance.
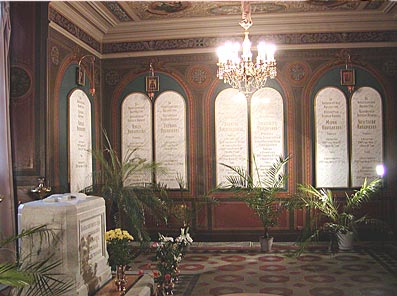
[[242, 73]]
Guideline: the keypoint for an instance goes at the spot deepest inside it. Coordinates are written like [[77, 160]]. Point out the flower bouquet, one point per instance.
[[169, 254], [120, 254], [118, 246]]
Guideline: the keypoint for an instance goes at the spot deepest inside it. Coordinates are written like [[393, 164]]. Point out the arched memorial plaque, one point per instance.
[[366, 134], [331, 140], [267, 129], [170, 138], [136, 134], [231, 132], [80, 141]]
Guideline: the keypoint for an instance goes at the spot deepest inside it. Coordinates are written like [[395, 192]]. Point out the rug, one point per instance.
[[217, 270]]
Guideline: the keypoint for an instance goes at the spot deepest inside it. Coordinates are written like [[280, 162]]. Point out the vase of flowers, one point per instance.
[[120, 254], [169, 254]]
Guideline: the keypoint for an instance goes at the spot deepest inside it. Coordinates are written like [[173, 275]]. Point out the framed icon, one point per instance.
[[347, 77], [152, 83], [80, 76]]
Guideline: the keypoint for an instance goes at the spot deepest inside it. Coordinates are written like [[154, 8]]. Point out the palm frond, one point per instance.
[[45, 278], [10, 275], [23, 233], [321, 200], [364, 194], [39, 277], [240, 178], [274, 176]]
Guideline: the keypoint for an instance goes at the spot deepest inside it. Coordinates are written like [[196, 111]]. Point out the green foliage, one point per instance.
[[259, 195], [127, 203], [46, 282], [338, 216], [10, 275], [33, 278], [327, 213]]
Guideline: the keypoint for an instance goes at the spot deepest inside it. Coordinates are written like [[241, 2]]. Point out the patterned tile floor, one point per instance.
[[222, 268]]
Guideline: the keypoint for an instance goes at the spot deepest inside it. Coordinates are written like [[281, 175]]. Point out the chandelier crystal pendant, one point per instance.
[[243, 73]]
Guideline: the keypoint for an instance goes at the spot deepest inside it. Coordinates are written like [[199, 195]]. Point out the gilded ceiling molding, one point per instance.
[[117, 11], [207, 44], [74, 30]]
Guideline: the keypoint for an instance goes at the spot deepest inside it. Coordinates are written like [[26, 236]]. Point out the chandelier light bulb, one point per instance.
[[247, 54], [222, 58], [261, 57], [271, 49]]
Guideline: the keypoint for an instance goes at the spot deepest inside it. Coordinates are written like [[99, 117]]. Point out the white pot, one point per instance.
[[345, 240], [266, 243]]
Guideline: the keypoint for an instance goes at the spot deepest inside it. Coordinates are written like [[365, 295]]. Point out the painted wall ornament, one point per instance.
[[199, 75], [55, 55], [20, 82], [112, 78], [297, 72]]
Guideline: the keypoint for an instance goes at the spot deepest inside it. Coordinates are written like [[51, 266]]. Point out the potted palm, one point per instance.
[[260, 194], [127, 203], [339, 219]]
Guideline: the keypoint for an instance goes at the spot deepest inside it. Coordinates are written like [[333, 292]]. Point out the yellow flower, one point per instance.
[[118, 234]]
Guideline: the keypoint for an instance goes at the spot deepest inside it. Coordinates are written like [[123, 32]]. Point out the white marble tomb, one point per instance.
[[80, 223]]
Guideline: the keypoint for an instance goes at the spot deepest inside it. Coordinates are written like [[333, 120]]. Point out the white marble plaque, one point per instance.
[[332, 161], [80, 141], [267, 129], [91, 235], [136, 134], [170, 138], [231, 132], [366, 134]]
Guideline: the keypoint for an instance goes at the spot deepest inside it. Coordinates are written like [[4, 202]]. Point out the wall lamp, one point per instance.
[[80, 75]]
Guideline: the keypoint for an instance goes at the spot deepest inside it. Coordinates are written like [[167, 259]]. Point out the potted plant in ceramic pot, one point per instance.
[[339, 219], [260, 194]]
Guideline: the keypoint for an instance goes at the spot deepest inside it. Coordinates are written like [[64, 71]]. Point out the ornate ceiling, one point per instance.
[[112, 23]]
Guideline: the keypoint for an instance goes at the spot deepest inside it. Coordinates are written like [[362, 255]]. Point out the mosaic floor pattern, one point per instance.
[[216, 270]]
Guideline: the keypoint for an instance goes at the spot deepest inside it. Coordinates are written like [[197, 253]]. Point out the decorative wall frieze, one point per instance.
[[150, 45], [279, 39], [74, 30]]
